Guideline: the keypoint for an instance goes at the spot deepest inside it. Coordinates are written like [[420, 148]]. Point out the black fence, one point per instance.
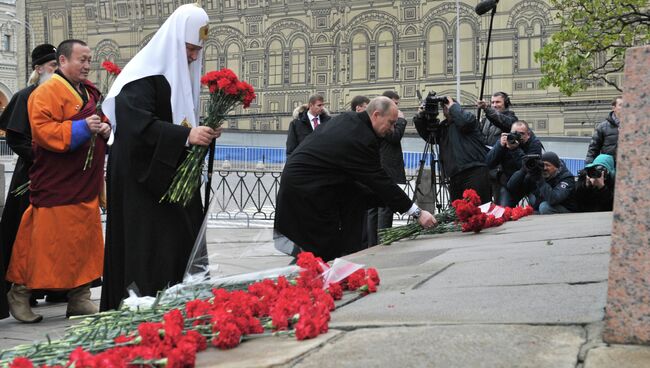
[[251, 194]]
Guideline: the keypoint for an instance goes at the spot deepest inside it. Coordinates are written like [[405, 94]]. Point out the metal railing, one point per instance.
[[5, 150], [251, 194]]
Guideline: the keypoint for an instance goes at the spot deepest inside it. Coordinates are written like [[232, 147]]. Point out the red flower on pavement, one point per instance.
[[21, 362], [355, 280], [373, 275], [470, 195], [335, 290], [81, 358], [229, 336]]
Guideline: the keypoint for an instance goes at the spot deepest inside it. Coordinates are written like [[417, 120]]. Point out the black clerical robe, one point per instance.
[[148, 243], [327, 184], [15, 122]]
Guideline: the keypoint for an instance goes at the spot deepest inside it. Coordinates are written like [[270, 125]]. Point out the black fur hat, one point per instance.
[[42, 54]]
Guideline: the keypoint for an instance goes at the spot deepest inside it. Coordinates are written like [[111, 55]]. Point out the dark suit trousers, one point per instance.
[[477, 178]]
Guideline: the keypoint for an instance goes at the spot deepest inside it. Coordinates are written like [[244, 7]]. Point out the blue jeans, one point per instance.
[[547, 209]]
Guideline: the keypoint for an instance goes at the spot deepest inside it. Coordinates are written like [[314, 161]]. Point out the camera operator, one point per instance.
[[506, 158], [462, 154], [498, 118], [548, 183], [595, 185]]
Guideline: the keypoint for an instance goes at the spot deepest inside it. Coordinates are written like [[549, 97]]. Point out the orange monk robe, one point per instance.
[[59, 246]]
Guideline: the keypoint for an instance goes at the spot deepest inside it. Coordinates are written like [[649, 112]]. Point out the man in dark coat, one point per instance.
[[153, 104], [507, 157], [320, 204], [305, 120], [498, 118], [605, 138], [15, 122], [462, 153], [548, 182], [392, 161]]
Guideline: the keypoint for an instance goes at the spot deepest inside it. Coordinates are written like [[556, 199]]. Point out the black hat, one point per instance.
[[551, 158], [42, 54]]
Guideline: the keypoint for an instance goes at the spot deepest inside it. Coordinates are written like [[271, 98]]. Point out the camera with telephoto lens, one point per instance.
[[514, 138], [533, 164], [431, 105], [595, 172]]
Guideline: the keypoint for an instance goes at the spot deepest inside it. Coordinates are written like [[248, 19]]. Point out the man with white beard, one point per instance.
[[15, 122]]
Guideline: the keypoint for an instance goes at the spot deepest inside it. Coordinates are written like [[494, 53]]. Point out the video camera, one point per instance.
[[430, 107], [595, 172], [514, 138], [533, 164]]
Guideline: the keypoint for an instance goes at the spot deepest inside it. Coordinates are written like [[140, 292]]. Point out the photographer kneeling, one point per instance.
[[595, 186], [548, 183], [507, 156], [462, 155]]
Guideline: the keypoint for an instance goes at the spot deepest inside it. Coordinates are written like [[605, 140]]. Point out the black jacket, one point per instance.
[[461, 143], [320, 186], [300, 127], [390, 147], [604, 140], [590, 199], [510, 161], [494, 123], [556, 190]]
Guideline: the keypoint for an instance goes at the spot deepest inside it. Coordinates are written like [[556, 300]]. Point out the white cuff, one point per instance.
[[412, 209]]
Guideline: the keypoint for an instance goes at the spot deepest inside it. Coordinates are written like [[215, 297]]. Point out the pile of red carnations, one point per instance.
[[299, 307], [463, 215], [473, 219]]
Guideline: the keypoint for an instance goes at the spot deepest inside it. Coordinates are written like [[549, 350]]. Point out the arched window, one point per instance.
[[211, 57], [466, 51], [529, 40], [298, 63], [436, 53], [233, 58], [274, 53], [359, 59], [385, 55]]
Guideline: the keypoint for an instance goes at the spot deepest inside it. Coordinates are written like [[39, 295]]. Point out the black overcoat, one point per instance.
[[148, 243], [327, 184], [15, 122]]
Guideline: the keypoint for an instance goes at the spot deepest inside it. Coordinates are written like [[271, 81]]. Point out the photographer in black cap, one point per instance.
[[595, 185], [506, 158], [547, 182], [462, 154]]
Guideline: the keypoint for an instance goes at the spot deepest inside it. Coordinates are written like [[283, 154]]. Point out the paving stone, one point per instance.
[[263, 352], [619, 356], [452, 346]]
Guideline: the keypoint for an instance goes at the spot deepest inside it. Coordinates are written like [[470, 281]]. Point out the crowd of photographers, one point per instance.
[[501, 158]]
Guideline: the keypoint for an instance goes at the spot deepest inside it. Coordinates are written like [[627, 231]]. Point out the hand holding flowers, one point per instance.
[[226, 92]]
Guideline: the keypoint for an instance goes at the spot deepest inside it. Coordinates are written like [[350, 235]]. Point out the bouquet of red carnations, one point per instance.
[[226, 92], [112, 71]]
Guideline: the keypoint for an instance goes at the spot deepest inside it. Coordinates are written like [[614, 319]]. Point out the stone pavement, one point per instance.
[[530, 293]]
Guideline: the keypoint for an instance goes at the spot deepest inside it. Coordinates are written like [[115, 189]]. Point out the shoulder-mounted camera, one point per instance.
[[430, 107]]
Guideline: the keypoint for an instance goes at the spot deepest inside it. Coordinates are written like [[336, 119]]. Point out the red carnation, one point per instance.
[[21, 362], [335, 290], [229, 336]]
